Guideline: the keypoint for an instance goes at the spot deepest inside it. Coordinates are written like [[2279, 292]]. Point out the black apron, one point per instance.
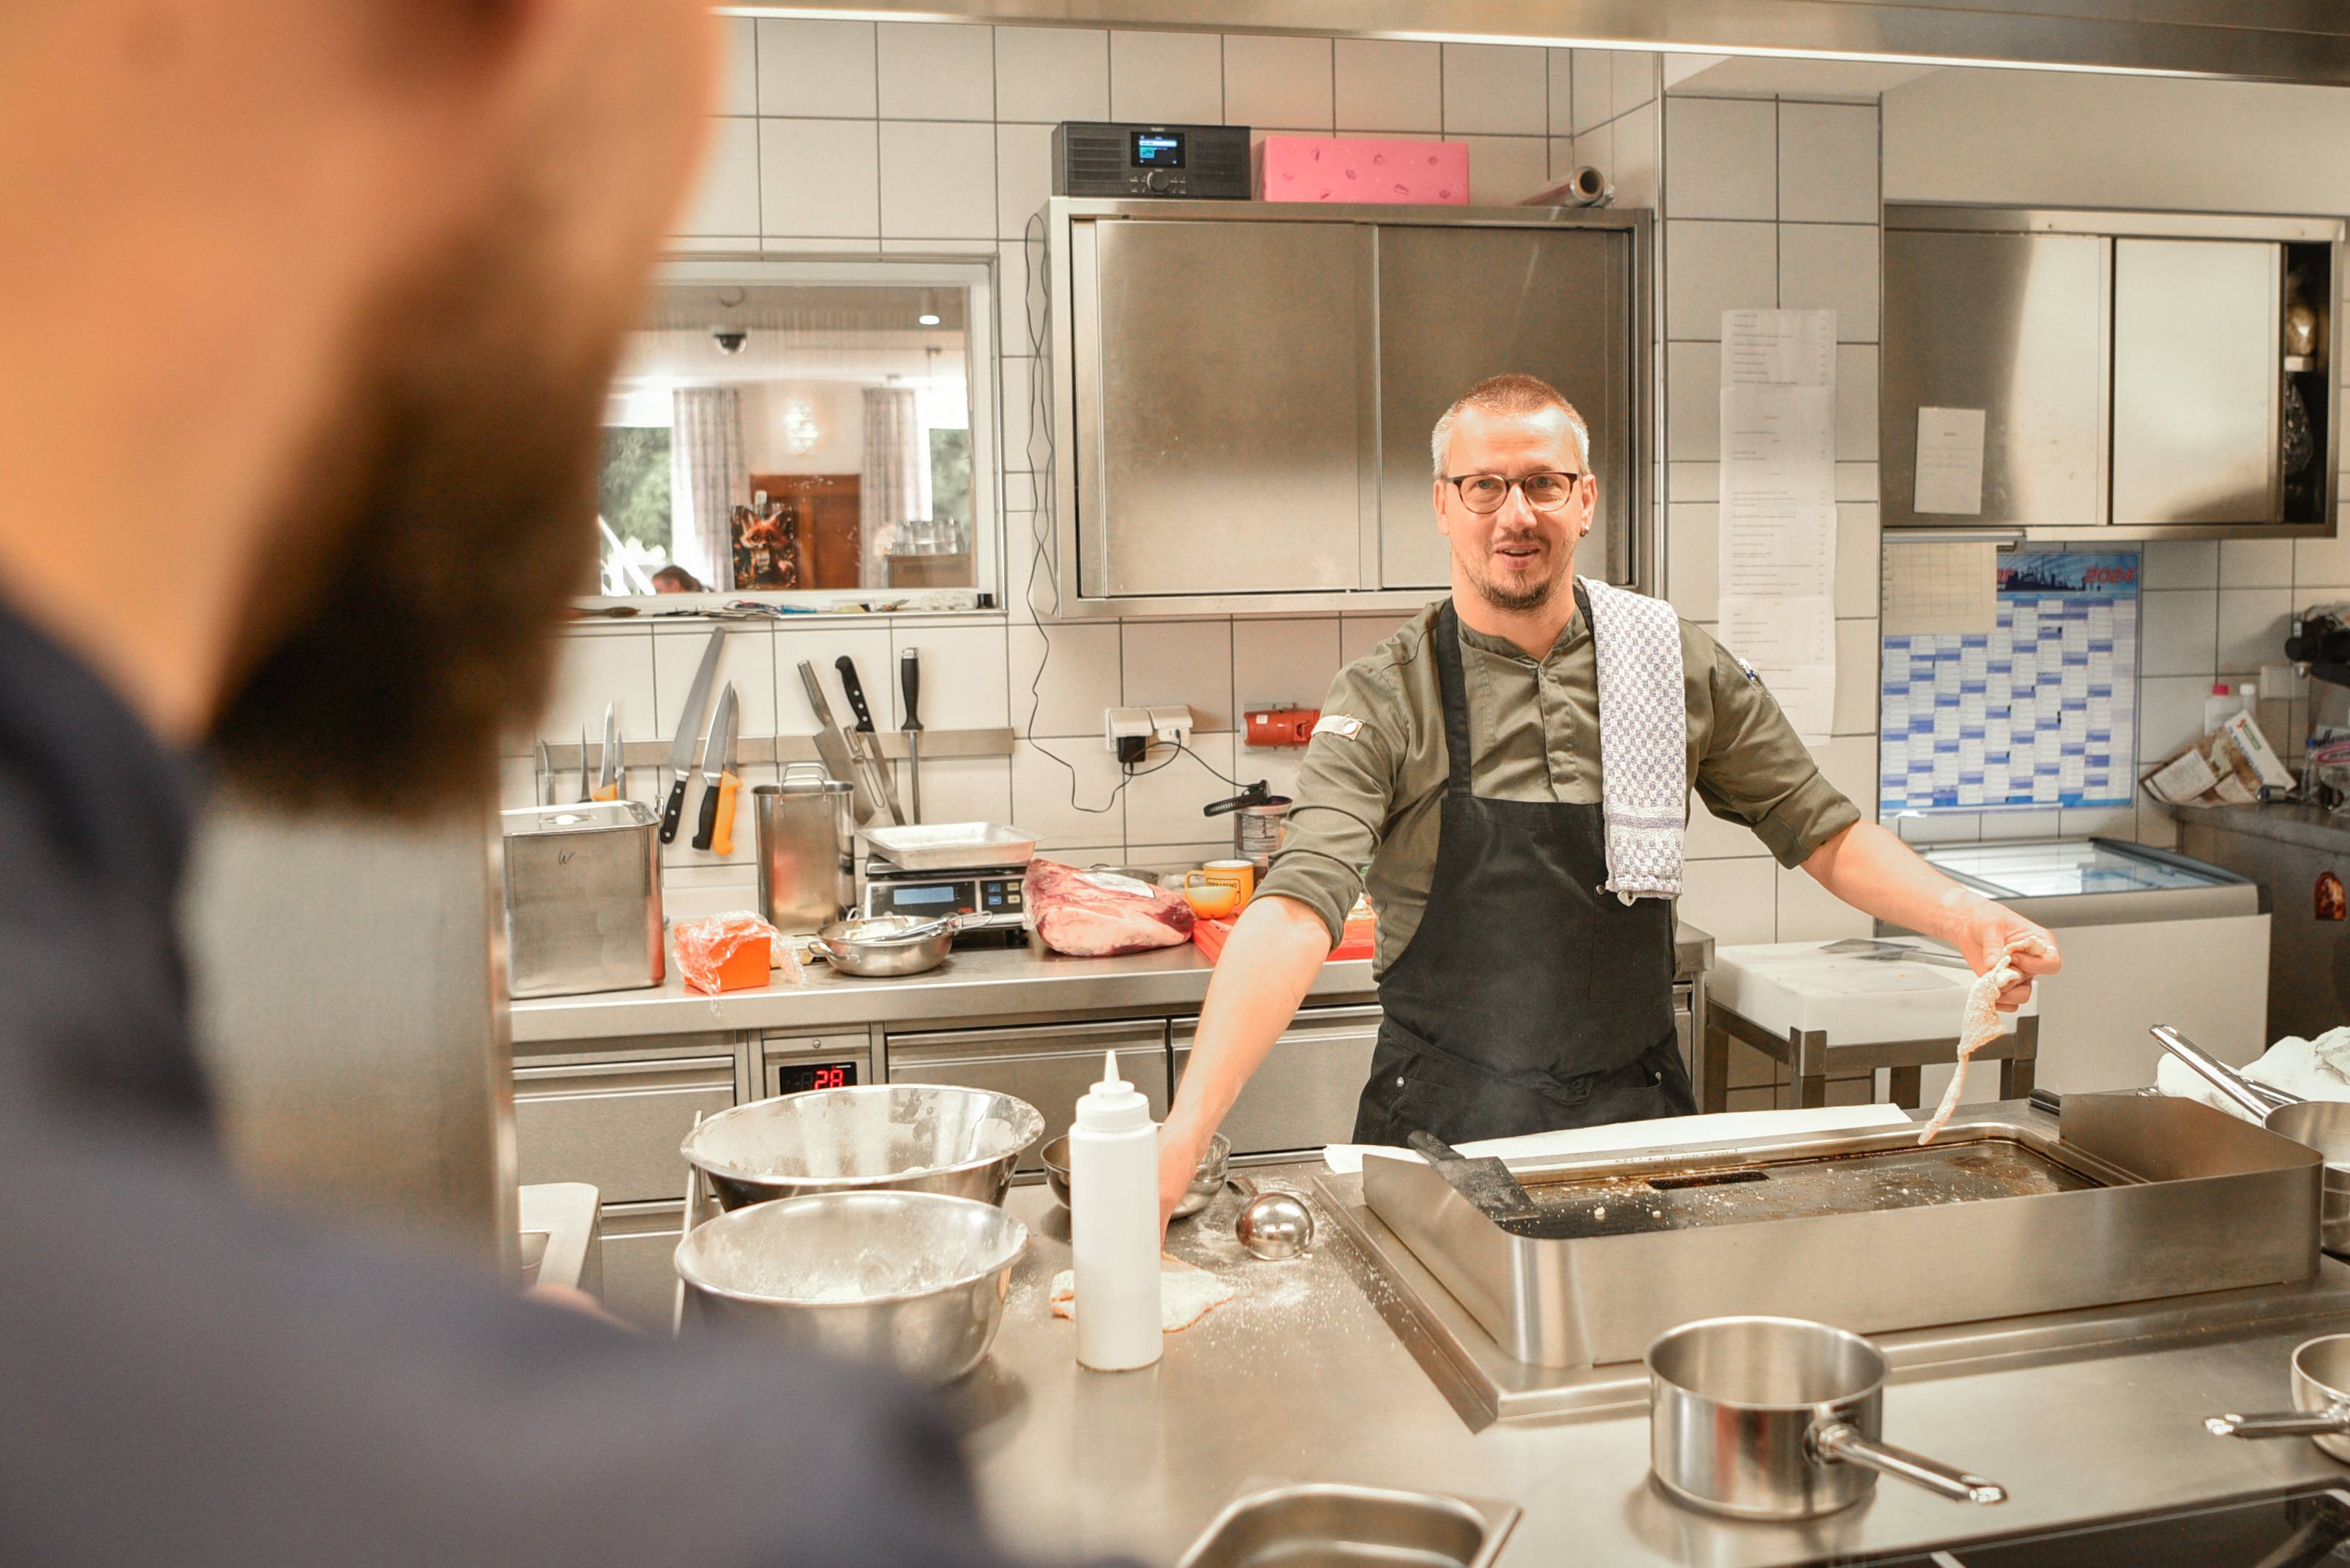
[[1530, 998]]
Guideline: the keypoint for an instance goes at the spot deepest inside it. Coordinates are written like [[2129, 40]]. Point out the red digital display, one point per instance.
[[794, 1077]]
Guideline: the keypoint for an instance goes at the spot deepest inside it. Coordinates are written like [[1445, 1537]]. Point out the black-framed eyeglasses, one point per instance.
[[1485, 494]]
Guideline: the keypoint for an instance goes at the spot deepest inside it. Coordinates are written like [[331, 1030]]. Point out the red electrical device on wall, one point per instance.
[[1281, 726]]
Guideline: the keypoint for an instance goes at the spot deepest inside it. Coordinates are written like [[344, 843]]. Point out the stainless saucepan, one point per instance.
[[2321, 1124], [1777, 1418], [2321, 1400], [878, 946]]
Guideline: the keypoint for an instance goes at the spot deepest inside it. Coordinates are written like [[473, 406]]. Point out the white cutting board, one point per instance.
[[1853, 999], [1664, 1132]]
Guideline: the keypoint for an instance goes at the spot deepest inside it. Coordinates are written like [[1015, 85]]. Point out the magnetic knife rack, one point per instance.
[[938, 746]]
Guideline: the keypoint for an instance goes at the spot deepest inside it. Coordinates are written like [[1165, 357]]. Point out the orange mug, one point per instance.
[[1240, 875]]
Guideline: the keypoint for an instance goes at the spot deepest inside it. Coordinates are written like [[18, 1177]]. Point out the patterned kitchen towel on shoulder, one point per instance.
[[1643, 740]]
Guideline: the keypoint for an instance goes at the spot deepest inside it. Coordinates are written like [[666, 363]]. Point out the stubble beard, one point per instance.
[[1518, 601]]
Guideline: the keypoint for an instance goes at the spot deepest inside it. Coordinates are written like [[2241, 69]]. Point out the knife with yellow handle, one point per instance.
[[714, 771], [730, 784], [607, 761]]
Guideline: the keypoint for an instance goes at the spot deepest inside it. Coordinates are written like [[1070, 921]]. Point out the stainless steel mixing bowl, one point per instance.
[[900, 1137], [911, 1280], [1207, 1177]]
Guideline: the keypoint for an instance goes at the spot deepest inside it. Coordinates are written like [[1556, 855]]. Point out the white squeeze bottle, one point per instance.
[[1113, 1224]]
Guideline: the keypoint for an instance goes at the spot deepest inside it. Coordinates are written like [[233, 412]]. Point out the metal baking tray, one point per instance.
[[952, 845], [2132, 1197]]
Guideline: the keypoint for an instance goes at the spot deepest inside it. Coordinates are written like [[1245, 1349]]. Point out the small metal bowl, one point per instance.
[[1207, 1177], [913, 1280], [908, 1137]]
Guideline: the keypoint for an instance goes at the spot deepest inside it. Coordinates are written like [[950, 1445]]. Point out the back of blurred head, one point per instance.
[[308, 307]]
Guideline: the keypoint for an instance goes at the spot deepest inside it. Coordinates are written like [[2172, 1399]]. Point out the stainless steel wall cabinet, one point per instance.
[[2133, 370], [1242, 393]]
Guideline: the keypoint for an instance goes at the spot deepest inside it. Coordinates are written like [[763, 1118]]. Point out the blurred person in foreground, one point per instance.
[[347, 277]]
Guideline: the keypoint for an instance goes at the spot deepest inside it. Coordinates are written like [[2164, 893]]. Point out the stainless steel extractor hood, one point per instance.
[[2278, 40]]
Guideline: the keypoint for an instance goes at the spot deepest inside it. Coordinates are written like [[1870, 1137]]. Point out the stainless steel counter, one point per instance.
[[1301, 1379], [2286, 822], [993, 983]]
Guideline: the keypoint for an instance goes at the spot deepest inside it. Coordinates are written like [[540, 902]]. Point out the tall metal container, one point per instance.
[[582, 898], [807, 848]]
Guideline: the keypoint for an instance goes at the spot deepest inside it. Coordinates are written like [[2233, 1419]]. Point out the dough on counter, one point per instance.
[[1186, 1293], [1978, 1024]]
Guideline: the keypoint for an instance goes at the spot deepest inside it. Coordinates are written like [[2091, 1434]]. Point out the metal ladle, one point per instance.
[[1274, 1226]]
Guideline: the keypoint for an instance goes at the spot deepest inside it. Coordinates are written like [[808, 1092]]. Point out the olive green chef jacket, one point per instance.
[[1369, 802]]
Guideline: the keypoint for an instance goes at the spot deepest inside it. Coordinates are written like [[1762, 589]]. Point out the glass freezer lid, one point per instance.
[[2062, 867]]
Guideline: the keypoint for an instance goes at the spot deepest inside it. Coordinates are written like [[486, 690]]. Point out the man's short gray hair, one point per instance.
[[1510, 394]]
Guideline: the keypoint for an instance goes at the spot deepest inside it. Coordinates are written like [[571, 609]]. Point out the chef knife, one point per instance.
[[713, 766], [586, 784], [866, 741], [1486, 1182], [607, 763], [831, 743], [546, 774], [689, 729], [909, 687]]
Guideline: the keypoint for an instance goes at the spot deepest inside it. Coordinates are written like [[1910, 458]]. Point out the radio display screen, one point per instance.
[[793, 1077], [1158, 148]]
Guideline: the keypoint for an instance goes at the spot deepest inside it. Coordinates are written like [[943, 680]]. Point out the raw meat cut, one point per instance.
[[1099, 914], [1187, 1293], [1979, 1025]]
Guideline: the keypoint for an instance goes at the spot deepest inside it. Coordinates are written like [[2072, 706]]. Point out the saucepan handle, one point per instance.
[[2281, 1424], [1841, 1442], [2217, 1073]]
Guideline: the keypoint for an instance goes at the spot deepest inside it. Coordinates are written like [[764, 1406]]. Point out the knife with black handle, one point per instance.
[[713, 766], [909, 686], [689, 729], [870, 742]]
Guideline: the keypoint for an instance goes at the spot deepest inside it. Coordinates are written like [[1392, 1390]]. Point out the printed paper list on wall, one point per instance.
[[2039, 711], [1778, 505]]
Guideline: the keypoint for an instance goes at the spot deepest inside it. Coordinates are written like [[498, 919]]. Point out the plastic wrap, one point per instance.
[[733, 952]]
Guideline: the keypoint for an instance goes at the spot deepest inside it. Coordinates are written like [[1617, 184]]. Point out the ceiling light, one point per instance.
[[928, 319]]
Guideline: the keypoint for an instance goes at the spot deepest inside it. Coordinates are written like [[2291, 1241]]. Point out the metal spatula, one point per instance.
[[1891, 952], [1485, 1181]]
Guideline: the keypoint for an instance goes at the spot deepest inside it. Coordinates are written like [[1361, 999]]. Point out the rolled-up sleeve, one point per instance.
[[1756, 770], [1345, 795]]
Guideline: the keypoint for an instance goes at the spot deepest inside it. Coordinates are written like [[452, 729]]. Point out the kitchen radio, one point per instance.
[[1104, 159]]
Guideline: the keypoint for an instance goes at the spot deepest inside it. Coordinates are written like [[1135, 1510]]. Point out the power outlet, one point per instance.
[[1126, 732]]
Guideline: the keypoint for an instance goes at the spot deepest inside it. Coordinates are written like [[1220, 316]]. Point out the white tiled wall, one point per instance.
[[1772, 203], [848, 137]]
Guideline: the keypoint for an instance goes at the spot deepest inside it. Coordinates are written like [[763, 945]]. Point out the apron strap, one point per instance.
[[1449, 680], [1455, 688]]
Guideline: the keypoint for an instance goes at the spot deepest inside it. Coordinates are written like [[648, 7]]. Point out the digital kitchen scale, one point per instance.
[[992, 895], [971, 868]]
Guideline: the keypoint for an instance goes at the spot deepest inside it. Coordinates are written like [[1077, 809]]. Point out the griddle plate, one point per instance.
[[1952, 1172]]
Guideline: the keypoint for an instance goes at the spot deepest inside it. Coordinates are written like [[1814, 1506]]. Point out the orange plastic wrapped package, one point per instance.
[[733, 952]]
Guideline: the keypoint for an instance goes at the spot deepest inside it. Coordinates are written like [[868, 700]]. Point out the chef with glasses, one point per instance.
[[1508, 776]]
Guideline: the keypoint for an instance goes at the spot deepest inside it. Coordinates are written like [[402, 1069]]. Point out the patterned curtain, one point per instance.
[[895, 486], [708, 479]]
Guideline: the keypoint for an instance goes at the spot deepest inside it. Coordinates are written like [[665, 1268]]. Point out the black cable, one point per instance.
[[1038, 311]]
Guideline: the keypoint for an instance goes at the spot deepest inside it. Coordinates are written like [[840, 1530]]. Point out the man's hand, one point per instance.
[[1981, 931], [1876, 873]]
